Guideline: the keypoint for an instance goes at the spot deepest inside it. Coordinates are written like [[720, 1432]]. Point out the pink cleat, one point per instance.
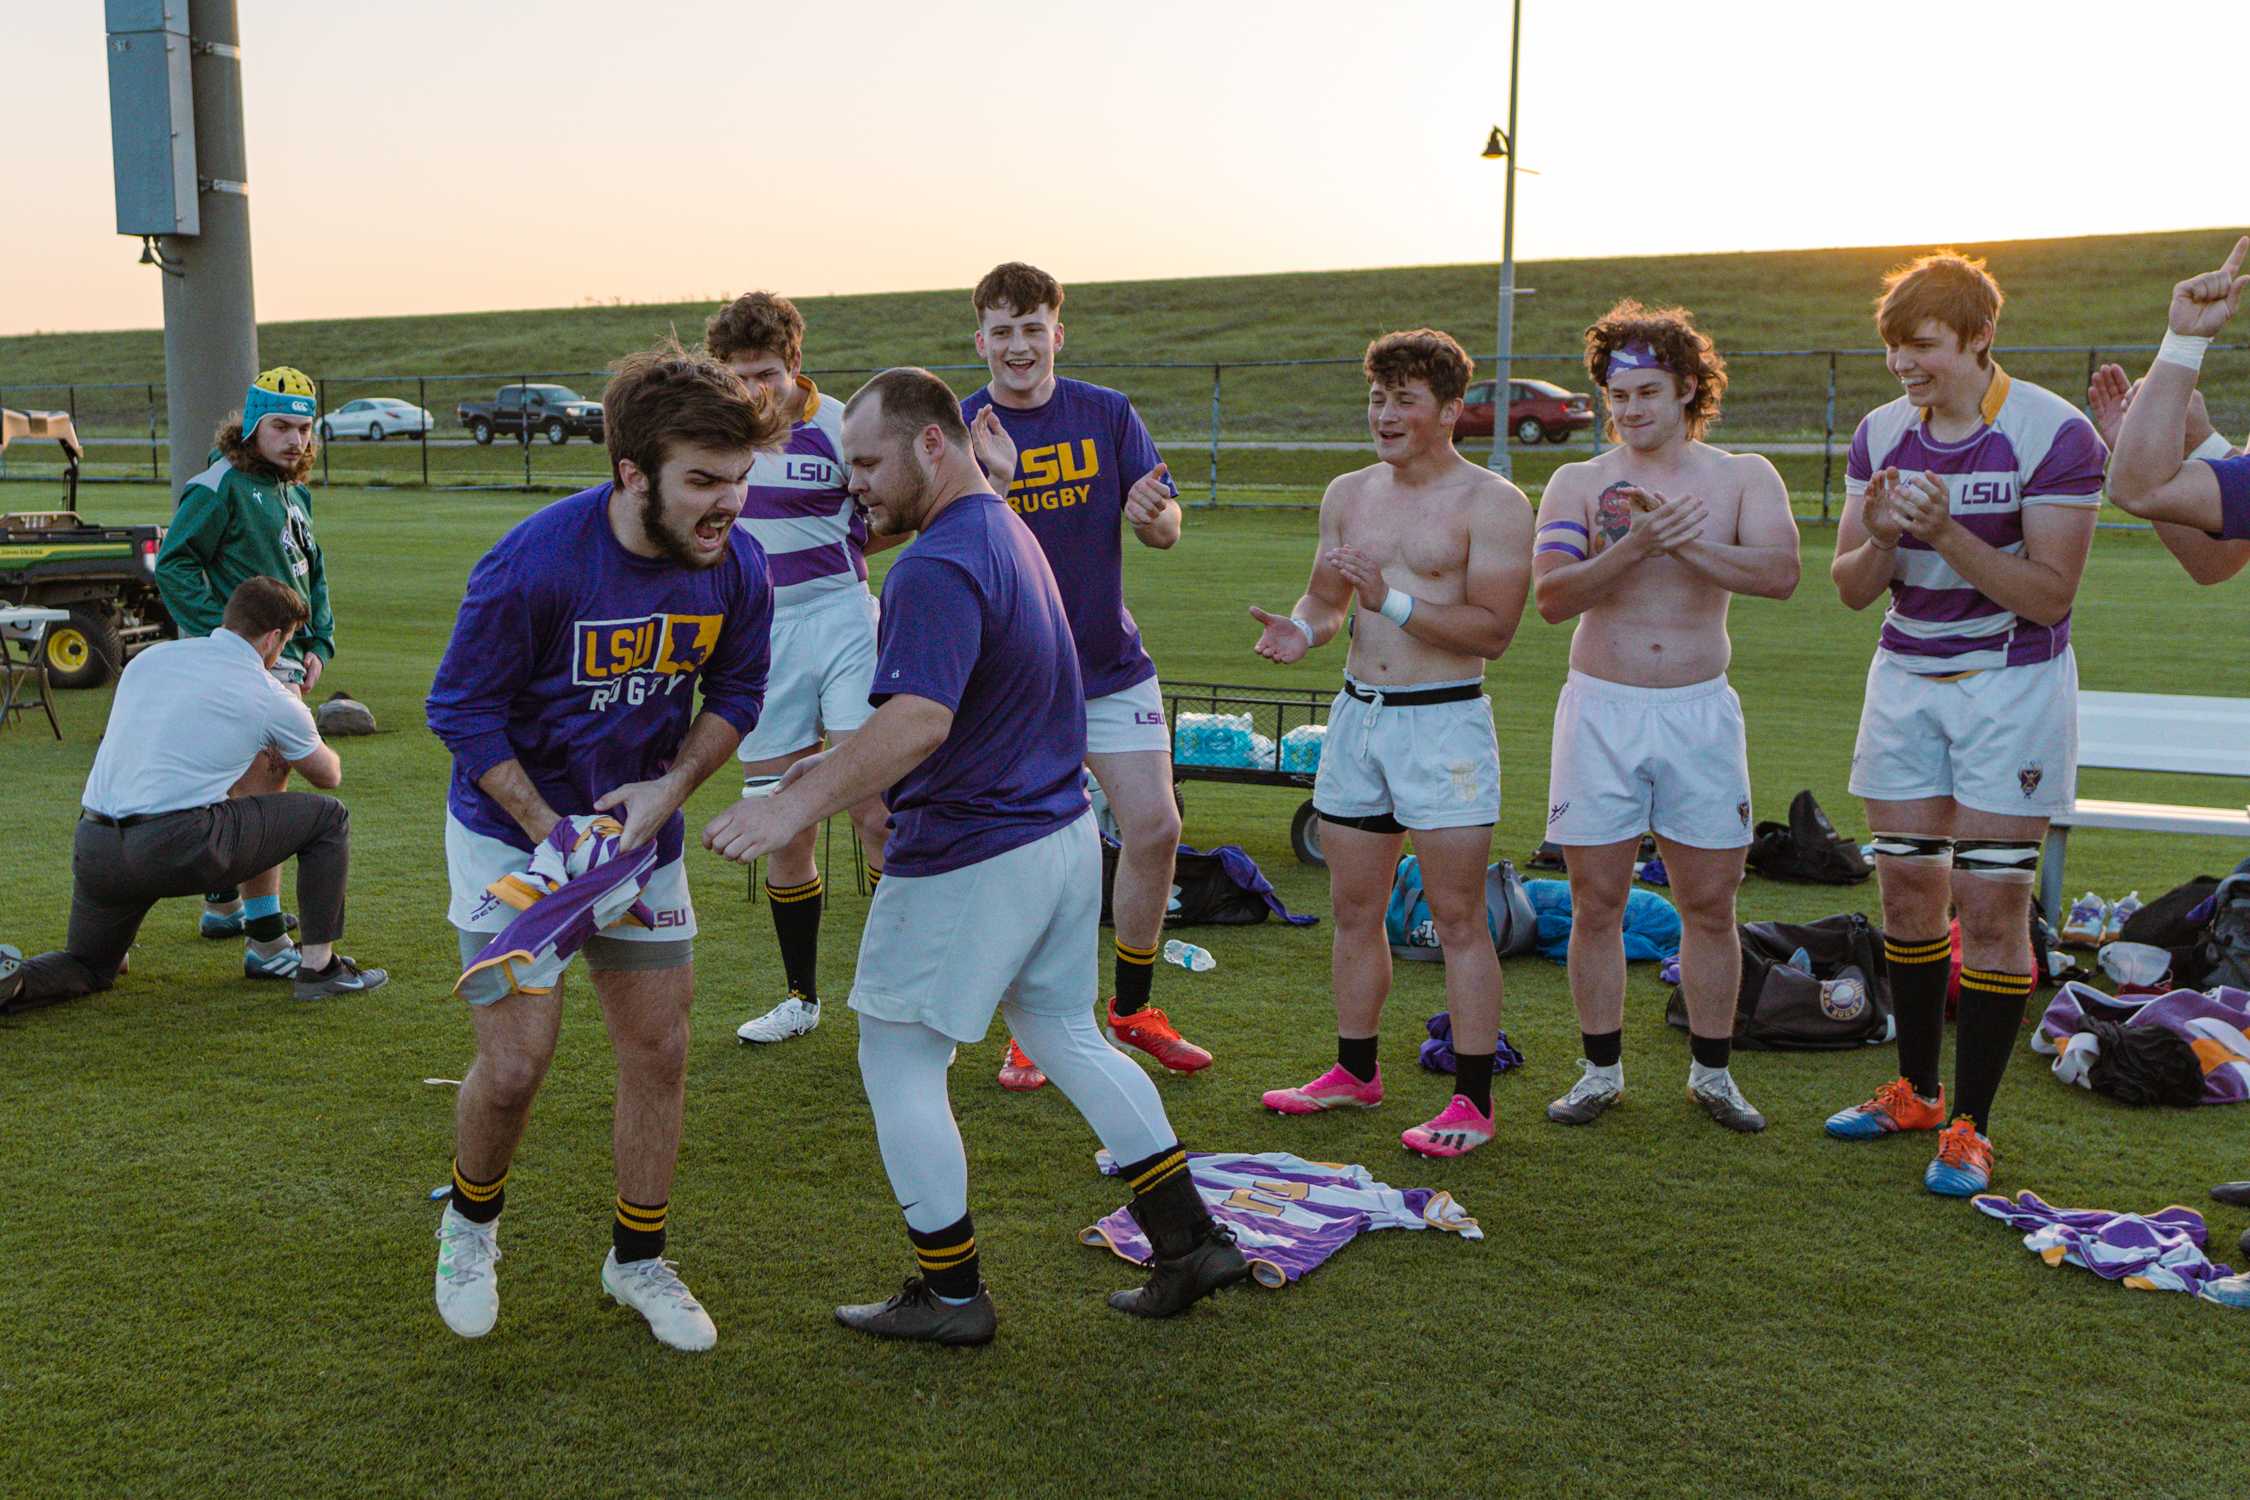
[[1458, 1130], [1334, 1089]]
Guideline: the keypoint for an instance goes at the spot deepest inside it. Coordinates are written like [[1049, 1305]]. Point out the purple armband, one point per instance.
[[1566, 548]]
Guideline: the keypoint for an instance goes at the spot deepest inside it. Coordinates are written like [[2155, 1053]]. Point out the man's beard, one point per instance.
[[680, 547]]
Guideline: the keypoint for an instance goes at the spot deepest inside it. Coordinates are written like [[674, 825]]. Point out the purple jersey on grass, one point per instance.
[[1288, 1214], [971, 619], [2033, 449], [582, 661], [2215, 1024], [2159, 1252], [800, 508], [2233, 475], [1076, 456]]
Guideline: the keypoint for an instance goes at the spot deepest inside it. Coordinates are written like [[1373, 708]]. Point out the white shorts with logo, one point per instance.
[[473, 861], [1633, 760], [2004, 740], [822, 669], [290, 674], [1433, 765], [1021, 927], [1128, 719]]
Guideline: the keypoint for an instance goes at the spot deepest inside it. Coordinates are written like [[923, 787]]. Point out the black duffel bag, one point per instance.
[[1844, 1002]]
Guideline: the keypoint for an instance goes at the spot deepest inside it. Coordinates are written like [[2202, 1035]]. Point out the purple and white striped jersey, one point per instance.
[[1288, 1214], [2034, 448], [800, 510]]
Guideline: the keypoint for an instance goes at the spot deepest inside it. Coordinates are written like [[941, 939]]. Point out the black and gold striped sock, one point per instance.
[[1152, 1172], [796, 926], [1136, 971], [1992, 1007], [874, 880], [948, 1258], [638, 1233], [478, 1202], [1919, 968]]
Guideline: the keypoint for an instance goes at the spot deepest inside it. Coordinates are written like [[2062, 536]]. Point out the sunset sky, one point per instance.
[[411, 156]]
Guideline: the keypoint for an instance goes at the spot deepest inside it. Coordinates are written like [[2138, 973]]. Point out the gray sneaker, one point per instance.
[[1588, 1097], [917, 1313], [344, 977], [1722, 1097]]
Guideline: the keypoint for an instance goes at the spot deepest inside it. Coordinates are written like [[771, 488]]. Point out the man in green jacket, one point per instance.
[[250, 515]]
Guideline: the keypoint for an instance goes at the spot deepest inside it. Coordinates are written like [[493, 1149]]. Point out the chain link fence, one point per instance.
[[1234, 432]]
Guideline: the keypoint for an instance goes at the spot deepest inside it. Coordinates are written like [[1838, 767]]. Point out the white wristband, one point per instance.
[[1398, 605], [2184, 349], [2212, 449], [1306, 627]]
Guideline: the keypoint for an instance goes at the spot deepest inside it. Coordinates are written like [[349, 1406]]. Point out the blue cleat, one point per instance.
[[1963, 1165], [282, 965]]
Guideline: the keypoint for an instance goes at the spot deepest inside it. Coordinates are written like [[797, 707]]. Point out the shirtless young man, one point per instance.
[[1645, 545], [1437, 551]]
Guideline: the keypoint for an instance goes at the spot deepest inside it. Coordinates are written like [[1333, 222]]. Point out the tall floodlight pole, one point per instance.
[[1501, 146], [176, 136]]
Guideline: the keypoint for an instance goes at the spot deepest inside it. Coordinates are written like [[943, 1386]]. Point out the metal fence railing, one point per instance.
[[1233, 431]]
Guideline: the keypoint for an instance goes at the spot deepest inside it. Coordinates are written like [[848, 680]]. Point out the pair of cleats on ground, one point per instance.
[[2092, 921], [1456, 1130], [1962, 1167], [468, 1292]]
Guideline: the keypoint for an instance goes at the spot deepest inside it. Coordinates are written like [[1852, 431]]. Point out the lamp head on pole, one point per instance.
[[1495, 145]]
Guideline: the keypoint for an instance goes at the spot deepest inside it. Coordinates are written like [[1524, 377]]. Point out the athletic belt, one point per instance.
[[106, 821], [1460, 692]]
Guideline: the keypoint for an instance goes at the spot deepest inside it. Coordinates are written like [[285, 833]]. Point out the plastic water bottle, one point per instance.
[[1195, 960], [1801, 961]]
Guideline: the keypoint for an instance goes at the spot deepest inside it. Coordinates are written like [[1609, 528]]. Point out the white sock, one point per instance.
[[1612, 1073], [1698, 1075]]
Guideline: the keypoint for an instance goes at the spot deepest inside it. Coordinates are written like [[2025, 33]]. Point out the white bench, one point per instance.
[[2152, 732]]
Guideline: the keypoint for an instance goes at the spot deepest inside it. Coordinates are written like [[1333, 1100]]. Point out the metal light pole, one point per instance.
[[1501, 146]]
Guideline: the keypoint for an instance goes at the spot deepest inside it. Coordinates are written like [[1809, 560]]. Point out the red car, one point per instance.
[[1536, 409]]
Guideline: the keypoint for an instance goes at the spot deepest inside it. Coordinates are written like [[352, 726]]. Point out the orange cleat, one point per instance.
[[1152, 1031], [1019, 1073], [1963, 1165], [1895, 1107]]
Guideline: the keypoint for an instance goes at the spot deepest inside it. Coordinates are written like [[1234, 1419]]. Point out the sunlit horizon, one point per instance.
[[407, 168]]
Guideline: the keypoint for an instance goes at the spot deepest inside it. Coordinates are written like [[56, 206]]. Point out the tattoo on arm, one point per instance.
[[1613, 516]]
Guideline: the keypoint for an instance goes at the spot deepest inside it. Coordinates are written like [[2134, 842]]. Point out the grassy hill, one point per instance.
[[2088, 292]]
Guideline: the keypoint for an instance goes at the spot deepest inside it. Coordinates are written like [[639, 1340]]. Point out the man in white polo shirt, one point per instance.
[[190, 719]]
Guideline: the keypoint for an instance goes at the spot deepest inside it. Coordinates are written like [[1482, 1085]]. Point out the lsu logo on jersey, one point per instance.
[[633, 658], [1986, 494], [1055, 476]]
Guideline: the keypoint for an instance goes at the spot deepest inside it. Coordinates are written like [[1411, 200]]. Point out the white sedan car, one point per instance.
[[375, 418]]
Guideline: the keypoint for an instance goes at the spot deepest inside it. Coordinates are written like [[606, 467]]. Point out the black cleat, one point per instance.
[[343, 977], [917, 1313], [2236, 1193], [1178, 1282]]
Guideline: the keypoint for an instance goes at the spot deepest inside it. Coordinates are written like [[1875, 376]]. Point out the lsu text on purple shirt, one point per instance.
[[582, 662], [1076, 456], [2033, 449], [971, 619]]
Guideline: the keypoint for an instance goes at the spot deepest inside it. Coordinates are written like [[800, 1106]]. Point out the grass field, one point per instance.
[[221, 1250], [2080, 293]]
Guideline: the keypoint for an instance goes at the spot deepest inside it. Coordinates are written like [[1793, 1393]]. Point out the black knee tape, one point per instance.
[[2010, 861], [1915, 848]]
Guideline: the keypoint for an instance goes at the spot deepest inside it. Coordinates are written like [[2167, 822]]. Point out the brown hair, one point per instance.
[[1685, 351], [1018, 286], [258, 605], [913, 399], [1953, 288], [244, 455], [1423, 354], [756, 323], [666, 395]]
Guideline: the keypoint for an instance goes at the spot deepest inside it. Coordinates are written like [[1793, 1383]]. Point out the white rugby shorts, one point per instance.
[[1128, 719], [1632, 760], [2004, 740], [822, 668], [1434, 765], [473, 861], [1024, 927]]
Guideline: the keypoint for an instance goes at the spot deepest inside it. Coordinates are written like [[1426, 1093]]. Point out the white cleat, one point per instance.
[[1722, 1098], [1595, 1091], [793, 1017], [653, 1289], [468, 1289]]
